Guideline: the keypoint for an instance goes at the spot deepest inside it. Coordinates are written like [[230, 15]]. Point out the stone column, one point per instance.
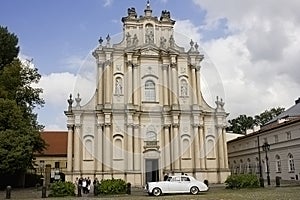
[[220, 148], [129, 83], [165, 84], [196, 147], [174, 84], [176, 147], [167, 147], [225, 148], [99, 148], [135, 84], [107, 147], [137, 148], [100, 83], [108, 82], [70, 151], [202, 148], [129, 148], [194, 86], [77, 149], [198, 88]]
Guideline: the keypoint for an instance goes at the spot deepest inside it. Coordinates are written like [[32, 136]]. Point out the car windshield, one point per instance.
[[169, 178]]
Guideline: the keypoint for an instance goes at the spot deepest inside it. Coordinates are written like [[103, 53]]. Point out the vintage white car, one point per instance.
[[176, 184]]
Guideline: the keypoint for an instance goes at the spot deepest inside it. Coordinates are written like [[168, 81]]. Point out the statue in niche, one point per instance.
[[183, 88], [128, 39], [135, 40], [118, 86]]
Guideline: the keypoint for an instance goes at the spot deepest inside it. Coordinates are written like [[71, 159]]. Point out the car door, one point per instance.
[[175, 185], [185, 184]]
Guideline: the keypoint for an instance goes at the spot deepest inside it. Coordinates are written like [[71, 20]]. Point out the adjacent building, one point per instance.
[[54, 156], [281, 158], [147, 116]]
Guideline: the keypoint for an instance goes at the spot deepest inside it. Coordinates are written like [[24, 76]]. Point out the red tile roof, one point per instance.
[[57, 143]]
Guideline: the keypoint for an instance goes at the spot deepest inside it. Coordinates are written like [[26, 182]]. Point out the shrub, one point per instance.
[[111, 186], [61, 189], [242, 181]]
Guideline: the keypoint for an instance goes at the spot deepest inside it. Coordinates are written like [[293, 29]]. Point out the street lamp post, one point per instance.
[[266, 148], [261, 179]]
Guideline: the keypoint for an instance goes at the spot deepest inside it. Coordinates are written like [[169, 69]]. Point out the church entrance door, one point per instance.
[[152, 173]]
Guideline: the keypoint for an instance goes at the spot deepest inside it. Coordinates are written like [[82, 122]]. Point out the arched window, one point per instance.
[[186, 148], [291, 163], [88, 149], [117, 152], [241, 166], [278, 163], [257, 169], [249, 169], [210, 148], [150, 91]]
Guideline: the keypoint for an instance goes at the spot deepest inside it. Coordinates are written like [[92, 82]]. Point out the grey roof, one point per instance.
[[293, 111]]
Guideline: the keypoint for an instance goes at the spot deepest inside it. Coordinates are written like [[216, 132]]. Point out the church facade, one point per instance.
[[147, 116]]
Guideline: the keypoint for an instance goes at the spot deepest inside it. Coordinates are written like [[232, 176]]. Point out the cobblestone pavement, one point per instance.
[[215, 192]]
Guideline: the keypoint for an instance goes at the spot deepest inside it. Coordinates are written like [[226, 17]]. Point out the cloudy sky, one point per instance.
[[251, 47]]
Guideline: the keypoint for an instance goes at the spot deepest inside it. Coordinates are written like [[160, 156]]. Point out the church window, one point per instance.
[[278, 163], [150, 91], [291, 163], [117, 153], [210, 148], [186, 148], [88, 149]]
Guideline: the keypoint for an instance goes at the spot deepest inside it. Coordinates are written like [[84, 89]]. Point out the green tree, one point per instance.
[[267, 115], [241, 124], [8, 47], [19, 130]]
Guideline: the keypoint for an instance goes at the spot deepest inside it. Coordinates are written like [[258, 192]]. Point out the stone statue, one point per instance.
[[135, 40], [183, 88], [118, 86], [128, 39], [172, 41], [163, 42]]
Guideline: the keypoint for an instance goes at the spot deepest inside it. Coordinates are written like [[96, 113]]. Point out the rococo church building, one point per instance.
[[147, 116]]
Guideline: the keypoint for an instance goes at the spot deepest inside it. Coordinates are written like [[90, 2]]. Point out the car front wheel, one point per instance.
[[156, 191], [194, 190]]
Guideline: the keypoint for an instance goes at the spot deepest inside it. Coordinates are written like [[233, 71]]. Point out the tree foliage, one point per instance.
[[242, 123], [267, 115], [19, 129], [8, 47]]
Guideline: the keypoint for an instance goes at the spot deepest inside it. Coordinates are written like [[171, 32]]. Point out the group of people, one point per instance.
[[84, 184]]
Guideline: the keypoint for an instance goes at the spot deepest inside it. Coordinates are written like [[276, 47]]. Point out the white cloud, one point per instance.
[[107, 3], [258, 60]]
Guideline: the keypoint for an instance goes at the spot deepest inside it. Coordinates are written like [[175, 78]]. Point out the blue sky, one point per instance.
[[252, 47]]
